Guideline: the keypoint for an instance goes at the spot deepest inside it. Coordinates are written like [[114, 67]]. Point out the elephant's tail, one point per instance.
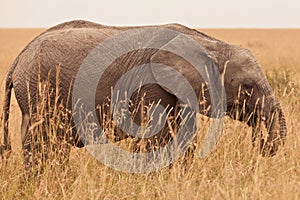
[[5, 148]]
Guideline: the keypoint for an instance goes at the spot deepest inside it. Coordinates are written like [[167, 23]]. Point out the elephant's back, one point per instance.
[[65, 47], [61, 49]]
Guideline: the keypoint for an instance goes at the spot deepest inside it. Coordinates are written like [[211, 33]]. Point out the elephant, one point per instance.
[[59, 52]]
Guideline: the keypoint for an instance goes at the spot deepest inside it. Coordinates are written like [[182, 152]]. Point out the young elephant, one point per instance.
[[66, 46]]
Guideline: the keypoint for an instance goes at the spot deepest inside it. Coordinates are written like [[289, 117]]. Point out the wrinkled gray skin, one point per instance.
[[69, 43]]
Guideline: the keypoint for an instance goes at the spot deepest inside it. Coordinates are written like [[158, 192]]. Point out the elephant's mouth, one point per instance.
[[239, 112], [272, 118]]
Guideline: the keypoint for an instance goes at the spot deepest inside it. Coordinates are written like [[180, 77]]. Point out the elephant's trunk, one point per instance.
[[274, 120], [276, 127]]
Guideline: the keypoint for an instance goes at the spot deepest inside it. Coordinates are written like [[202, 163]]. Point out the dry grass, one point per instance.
[[232, 171]]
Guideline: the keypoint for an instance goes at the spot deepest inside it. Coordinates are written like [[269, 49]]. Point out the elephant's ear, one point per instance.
[[182, 65]]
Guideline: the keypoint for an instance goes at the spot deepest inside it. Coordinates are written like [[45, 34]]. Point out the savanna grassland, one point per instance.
[[233, 170]]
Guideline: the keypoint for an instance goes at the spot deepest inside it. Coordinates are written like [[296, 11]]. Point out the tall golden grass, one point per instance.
[[233, 170]]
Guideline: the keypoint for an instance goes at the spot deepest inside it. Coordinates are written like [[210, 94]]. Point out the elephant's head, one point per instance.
[[251, 99], [249, 96]]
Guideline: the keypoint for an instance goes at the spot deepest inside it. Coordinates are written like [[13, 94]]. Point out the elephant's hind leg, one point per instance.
[[35, 145], [24, 126], [44, 145], [26, 143]]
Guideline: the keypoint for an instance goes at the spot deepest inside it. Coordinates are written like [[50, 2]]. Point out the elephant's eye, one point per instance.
[[248, 86], [248, 89]]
